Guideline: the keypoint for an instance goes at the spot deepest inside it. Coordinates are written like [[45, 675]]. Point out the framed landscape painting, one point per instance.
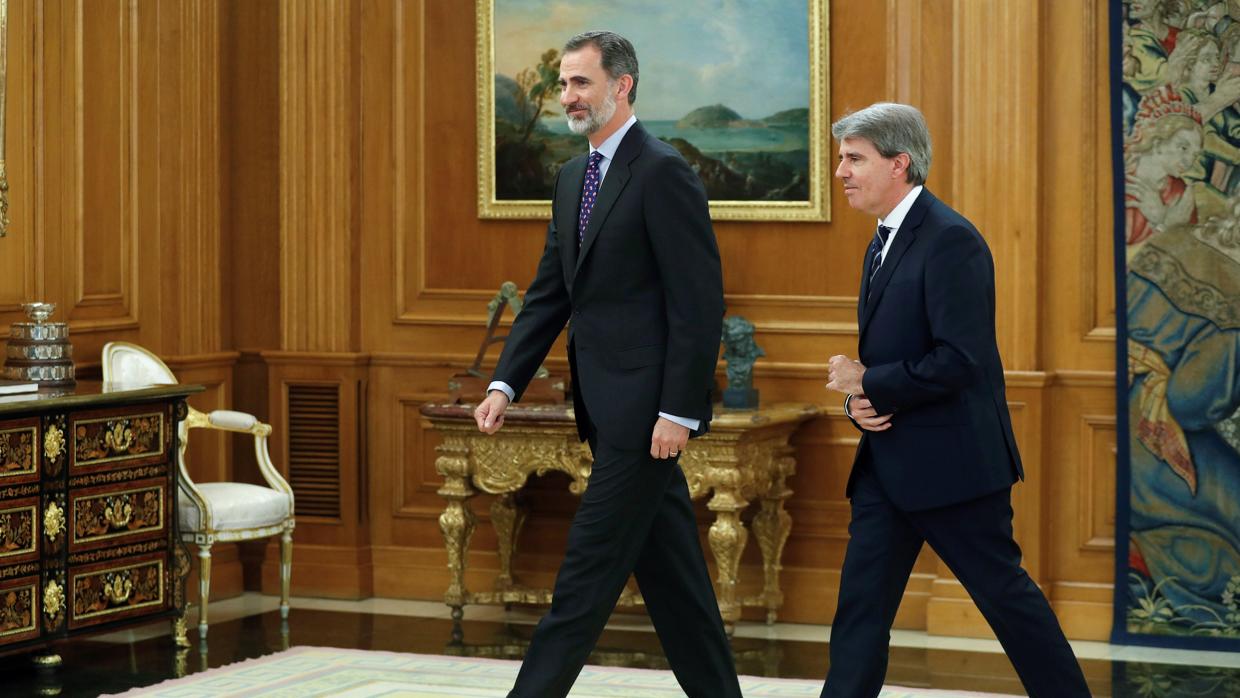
[[739, 88]]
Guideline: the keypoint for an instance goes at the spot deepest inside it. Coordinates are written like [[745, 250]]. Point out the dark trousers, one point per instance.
[[974, 539], [634, 518]]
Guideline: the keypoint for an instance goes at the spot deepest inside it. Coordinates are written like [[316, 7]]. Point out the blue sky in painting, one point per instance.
[[750, 55]]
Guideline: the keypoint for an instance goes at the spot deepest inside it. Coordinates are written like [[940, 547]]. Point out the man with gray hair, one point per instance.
[[937, 457], [631, 260]]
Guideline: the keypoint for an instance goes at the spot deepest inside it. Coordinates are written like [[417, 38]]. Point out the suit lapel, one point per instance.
[[614, 183], [567, 199], [906, 235]]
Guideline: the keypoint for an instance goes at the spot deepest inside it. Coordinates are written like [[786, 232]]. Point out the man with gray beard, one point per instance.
[[631, 260]]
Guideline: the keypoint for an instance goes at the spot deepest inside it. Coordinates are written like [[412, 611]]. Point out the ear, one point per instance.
[[899, 166], [623, 85]]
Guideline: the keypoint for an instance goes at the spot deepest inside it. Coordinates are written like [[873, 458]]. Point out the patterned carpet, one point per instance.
[[317, 672]]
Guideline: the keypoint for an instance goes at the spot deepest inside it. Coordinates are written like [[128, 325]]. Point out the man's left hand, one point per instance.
[[668, 440], [845, 375]]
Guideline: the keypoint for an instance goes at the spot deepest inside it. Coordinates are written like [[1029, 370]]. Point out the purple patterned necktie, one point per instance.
[[589, 192]]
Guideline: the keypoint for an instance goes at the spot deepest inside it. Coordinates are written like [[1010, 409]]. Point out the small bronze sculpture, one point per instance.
[[739, 352]]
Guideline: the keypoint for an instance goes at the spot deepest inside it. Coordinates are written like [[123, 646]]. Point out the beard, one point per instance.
[[594, 119]]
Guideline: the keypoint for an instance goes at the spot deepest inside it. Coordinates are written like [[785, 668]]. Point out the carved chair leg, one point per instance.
[[204, 587], [286, 570]]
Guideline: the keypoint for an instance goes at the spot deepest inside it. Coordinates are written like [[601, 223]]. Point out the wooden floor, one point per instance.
[[248, 628]]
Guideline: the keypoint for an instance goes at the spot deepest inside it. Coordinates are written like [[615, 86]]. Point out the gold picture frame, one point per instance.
[[798, 153]]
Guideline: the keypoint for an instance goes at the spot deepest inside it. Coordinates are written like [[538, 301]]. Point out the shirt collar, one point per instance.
[[896, 217], [608, 147]]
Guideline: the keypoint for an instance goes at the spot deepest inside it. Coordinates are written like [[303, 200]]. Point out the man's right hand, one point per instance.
[[866, 417], [490, 412]]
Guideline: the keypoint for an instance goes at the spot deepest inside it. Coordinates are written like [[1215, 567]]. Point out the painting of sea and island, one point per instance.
[[727, 83]]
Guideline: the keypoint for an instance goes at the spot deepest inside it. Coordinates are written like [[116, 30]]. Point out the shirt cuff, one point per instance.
[[690, 424], [847, 411], [503, 388]]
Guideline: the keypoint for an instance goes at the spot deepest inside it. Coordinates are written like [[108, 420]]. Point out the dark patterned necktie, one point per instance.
[[876, 250], [589, 192]]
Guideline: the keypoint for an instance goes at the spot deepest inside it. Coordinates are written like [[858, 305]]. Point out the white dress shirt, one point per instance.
[[896, 218], [608, 149]]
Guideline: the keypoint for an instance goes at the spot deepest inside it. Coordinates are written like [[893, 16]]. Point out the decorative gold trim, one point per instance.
[[816, 209], [53, 521], [53, 442], [53, 599], [180, 631]]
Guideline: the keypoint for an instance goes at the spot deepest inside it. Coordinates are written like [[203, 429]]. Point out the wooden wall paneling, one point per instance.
[[1082, 500], [104, 246], [332, 554], [1079, 310], [997, 153], [920, 57], [187, 190], [387, 203], [319, 119], [1078, 316], [250, 185], [21, 267]]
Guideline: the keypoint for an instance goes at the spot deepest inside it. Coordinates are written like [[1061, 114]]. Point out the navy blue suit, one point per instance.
[[943, 473], [644, 294]]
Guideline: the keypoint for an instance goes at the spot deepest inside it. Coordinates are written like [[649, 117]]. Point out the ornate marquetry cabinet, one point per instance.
[[88, 524]]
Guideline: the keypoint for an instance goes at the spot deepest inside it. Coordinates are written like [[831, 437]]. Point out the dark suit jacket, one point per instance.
[[927, 338], [644, 295]]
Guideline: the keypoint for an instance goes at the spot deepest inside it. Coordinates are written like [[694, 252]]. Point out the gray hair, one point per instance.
[[893, 129], [619, 57]]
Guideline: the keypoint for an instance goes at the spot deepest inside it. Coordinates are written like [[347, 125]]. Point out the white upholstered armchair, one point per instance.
[[212, 512]]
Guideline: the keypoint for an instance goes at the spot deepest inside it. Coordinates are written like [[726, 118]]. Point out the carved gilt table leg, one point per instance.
[[771, 525], [727, 541], [507, 516], [457, 521]]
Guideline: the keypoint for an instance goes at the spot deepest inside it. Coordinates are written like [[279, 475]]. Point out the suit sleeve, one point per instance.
[[687, 255], [959, 297], [546, 311]]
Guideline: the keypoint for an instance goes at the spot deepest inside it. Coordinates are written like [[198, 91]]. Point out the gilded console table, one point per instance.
[[88, 515], [745, 457]]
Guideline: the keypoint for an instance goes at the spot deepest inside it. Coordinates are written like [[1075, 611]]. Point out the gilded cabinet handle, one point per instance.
[[118, 512], [53, 442], [53, 599], [117, 587], [119, 437], [53, 521]]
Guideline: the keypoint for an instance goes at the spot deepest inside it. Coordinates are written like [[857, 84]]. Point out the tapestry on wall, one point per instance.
[[1176, 104]]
